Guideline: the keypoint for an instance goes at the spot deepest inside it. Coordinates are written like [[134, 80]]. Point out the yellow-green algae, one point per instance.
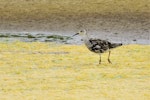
[[46, 71]]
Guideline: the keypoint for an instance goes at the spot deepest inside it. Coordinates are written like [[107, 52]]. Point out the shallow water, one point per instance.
[[59, 37]]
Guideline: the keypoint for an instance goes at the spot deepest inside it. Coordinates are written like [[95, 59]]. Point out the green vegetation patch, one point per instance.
[[28, 37]]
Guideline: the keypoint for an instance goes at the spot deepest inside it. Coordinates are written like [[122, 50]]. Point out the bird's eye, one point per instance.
[[81, 31]]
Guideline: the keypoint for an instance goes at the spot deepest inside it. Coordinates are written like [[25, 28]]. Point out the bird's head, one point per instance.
[[82, 32]]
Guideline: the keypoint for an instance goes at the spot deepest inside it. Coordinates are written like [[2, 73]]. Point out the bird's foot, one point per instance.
[[109, 61], [99, 61]]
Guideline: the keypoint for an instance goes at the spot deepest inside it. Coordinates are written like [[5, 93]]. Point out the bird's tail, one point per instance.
[[114, 45]]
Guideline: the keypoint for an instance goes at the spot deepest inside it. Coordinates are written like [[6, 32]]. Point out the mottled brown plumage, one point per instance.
[[101, 46]]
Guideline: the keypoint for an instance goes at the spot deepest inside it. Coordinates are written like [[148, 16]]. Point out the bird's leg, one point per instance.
[[99, 58], [109, 56]]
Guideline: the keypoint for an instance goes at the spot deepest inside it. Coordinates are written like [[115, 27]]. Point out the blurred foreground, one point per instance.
[[63, 72]]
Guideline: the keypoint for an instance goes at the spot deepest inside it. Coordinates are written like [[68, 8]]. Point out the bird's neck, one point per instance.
[[85, 37]]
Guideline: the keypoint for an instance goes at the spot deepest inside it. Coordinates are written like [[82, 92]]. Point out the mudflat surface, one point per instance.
[[117, 21]]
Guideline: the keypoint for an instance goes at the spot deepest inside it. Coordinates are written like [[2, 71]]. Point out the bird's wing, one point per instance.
[[99, 45], [99, 42]]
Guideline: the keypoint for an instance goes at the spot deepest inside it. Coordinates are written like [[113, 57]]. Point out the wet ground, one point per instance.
[[117, 21], [66, 37], [126, 28]]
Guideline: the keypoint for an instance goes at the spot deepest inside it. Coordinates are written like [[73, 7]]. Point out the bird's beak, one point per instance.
[[75, 34]]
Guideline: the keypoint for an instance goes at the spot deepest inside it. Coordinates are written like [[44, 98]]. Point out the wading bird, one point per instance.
[[97, 45]]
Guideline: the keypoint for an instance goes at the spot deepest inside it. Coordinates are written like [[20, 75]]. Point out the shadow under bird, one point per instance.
[[97, 45]]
